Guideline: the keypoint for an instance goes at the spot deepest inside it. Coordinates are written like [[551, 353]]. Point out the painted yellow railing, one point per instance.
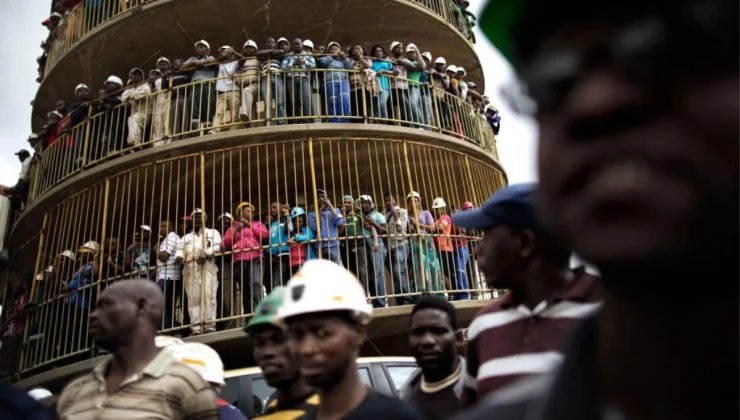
[[114, 230], [143, 120], [92, 13]]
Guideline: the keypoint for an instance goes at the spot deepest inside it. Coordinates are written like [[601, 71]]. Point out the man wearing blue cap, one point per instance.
[[520, 334], [638, 159]]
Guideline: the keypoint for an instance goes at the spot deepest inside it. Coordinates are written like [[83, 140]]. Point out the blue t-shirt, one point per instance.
[[140, 260], [278, 236], [379, 65], [329, 227], [81, 279]]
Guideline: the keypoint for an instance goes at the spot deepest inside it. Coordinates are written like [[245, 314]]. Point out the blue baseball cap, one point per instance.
[[513, 206]]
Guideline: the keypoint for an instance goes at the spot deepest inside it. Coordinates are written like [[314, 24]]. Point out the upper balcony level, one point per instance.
[[275, 103], [100, 37]]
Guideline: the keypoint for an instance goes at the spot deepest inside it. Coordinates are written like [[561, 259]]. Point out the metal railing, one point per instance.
[[88, 15], [396, 262], [138, 118]]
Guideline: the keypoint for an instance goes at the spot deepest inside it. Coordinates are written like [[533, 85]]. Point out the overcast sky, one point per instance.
[[20, 27]]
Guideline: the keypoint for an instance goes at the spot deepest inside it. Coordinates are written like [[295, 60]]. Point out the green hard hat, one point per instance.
[[497, 21], [266, 310]]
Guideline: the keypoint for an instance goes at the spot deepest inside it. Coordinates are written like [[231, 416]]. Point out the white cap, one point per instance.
[[226, 215], [410, 47], [358, 203], [39, 394], [282, 39], [162, 341], [204, 42], [440, 60], [163, 59], [322, 286], [427, 55], [250, 43], [451, 68], [204, 215], [90, 246], [308, 43], [114, 79], [201, 358], [439, 203], [81, 86], [225, 47], [67, 253], [413, 194], [460, 69], [394, 44], [146, 228]]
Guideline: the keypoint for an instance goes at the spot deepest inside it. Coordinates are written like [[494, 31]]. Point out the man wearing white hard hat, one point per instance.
[[462, 85], [82, 302], [140, 256], [201, 96], [249, 80], [207, 363], [229, 98], [271, 58], [298, 83], [196, 251], [326, 312], [140, 380], [79, 108], [443, 240], [427, 108], [400, 84], [137, 97], [414, 74], [159, 109], [49, 281], [441, 82]]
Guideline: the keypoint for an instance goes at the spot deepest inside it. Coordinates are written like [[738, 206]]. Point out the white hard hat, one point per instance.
[[81, 86], [39, 394], [308, 43], [90, 246], [282, 39], [394, 44], [205, 216], [163, 59], [67, 253], [115, 79], [460, 69], [333, 43], [410, 47], [451, 68], [201, 358], [413, 194], [358, 203], [146, 228], [439, 203], [226, 215], [324, 286], [225, 47], [204, 43], [427, 55], [440, 60], [250, 43], [162, 341]]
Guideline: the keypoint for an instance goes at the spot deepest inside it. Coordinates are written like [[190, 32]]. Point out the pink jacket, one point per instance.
[[248, 239]]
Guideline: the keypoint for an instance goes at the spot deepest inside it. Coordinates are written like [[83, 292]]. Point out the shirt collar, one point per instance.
[[580, 288], [156, 368]]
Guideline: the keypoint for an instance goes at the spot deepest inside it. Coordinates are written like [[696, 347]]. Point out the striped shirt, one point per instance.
[[165, 389], [298, 409], [507, 341]]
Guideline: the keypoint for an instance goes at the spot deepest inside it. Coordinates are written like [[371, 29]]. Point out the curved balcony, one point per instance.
[[115, 34], [162, 192], [273, 100]]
